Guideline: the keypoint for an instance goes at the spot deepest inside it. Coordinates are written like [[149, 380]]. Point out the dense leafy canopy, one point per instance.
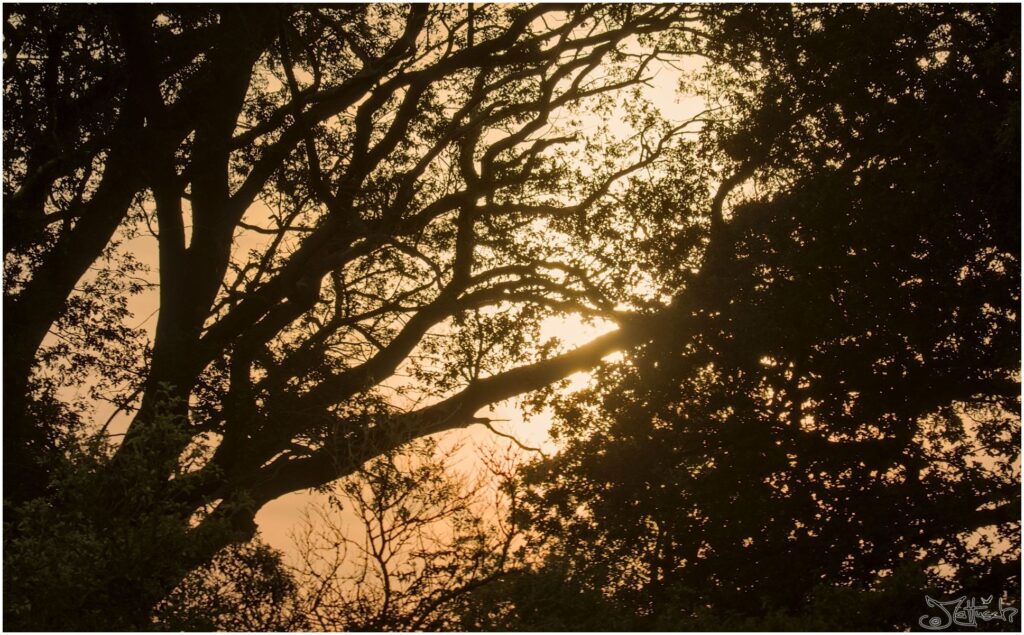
[[363, 214], [833, 429]]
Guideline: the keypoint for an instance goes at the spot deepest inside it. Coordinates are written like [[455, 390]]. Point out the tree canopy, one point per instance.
[[363, 214], [836, 431]]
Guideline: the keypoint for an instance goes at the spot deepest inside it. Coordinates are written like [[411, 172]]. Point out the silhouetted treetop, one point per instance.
[[338, 196], [833, 428], [357, 218]]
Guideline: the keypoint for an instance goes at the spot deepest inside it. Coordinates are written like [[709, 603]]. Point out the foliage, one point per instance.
[[400, 546], [328, 189], [832, 426], [71, 555], [362, 214], [245, 588]]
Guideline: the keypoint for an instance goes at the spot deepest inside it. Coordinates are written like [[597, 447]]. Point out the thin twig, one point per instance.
[[487, 423]]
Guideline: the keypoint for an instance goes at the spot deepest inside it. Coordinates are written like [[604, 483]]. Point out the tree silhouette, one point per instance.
[[245, 588], [328, 188], [836, 431], [426, 536], [364, 213]]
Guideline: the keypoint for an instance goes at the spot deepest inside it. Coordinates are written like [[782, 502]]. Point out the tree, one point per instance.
[[364, 212], [73, 539], [245, 588], [835, 431], [419, 536], [426, 536], [329, 189]]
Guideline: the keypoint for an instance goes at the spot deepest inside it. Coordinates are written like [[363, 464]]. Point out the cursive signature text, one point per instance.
[[965, 611]]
